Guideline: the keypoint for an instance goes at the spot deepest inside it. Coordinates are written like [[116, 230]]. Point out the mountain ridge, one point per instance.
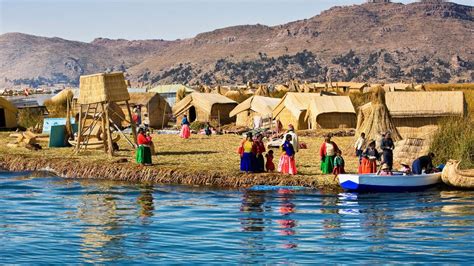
[[418, 42]]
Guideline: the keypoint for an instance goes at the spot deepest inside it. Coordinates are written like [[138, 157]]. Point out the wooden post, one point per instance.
[[132, 124], [104, 125], [107, 130], [164, 114], [79, 129]]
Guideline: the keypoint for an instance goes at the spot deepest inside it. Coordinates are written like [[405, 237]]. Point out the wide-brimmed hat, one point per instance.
[[404, 163], [385, 166]]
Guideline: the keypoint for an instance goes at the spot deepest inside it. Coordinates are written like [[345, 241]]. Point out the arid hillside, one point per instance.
[[418, 42]]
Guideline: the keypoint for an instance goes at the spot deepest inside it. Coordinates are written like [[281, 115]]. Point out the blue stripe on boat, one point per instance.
[[354, 187], [269, 188]]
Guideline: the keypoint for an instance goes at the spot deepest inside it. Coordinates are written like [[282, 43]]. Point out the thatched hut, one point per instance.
[[170, 92], [417, 113], [331, 112], [350, 86], [8, 113], [292, 109], [205, 107], [252, 107], [152, 104]]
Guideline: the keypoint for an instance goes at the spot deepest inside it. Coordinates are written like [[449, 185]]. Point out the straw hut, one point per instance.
[[169, 92], [205, 107], [351, 86], [8, 114], [331, 112], [418, 113], [152, 104], [252, 107], [292, 109]]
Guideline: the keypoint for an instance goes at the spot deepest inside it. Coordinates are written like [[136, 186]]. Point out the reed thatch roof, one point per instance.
[[425, 104], [259, 104], [142, 98], [103, 87], [204, 101], [295, 102], [7, 105], [330, 104], [350, 85]]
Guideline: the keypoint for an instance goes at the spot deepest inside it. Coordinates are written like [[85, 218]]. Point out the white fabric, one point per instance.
[[359, 143], [294, 140], [257, 122], [330, 149]]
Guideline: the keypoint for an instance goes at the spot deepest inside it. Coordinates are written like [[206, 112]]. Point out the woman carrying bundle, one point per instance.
[[143, 155], [185, 131], [287, 164]]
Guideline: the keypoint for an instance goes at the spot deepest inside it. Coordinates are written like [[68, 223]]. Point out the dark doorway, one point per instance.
[[3, 122], [192, 114]]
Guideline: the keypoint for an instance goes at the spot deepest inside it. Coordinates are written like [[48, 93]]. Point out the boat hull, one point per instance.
[[392, 183]]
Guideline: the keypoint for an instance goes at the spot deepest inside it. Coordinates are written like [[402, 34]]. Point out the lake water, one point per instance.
[[53, 220]]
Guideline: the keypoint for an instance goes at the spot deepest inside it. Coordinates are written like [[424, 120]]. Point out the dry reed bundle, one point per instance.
[[237, 96], [180, 94], [57, 105], [262, 91], [376, 119]]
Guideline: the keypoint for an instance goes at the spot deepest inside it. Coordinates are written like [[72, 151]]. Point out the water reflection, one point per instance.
[[145, 201], [287, 224], [102, 236], [252, 205]]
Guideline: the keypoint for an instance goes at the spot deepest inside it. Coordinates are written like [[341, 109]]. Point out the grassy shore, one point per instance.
[[199, 160]]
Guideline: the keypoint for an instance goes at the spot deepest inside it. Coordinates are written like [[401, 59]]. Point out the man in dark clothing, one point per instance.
[[424, 162], [387, 147]]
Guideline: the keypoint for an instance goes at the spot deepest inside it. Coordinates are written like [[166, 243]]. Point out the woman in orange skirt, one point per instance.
[[370, 157], [287, 164], [185, 131]]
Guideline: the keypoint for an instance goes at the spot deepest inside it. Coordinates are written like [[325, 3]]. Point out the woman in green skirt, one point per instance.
[[143, 156], [327, 152]]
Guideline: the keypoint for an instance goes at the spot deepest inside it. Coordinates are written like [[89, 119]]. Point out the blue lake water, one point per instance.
[[52, 220]]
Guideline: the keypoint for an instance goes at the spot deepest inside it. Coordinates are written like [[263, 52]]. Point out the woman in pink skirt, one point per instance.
[[287, 164], [185, 131]]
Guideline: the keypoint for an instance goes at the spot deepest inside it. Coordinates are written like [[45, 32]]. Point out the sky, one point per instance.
[[85, 20]]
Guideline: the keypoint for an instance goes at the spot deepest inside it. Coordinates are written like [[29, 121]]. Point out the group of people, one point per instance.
[[185, 132], [251, 153], [369, 157]]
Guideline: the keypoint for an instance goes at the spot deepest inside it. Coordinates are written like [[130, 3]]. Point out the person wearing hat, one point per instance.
[[387, 147], [327, 153], [385, 170], [423, 163], [406, 170], [294, 137], [369, 160]]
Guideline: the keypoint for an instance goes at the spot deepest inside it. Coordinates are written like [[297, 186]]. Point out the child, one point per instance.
[[385, 170], [406, 170], [338, 164], [207, 129], [269, 164]]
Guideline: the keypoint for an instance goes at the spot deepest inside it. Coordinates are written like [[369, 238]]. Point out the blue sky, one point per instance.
[[85, 20]]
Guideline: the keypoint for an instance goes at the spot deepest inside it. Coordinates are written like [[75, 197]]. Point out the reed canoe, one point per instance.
[[452, 176]]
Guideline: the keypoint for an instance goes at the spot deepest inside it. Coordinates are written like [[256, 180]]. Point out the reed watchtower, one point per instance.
[[97, 94]]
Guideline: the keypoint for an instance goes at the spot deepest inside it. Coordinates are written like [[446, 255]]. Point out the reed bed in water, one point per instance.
[[201, 160]]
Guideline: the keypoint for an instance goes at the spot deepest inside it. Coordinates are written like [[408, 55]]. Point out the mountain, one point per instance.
[[428, 41]]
